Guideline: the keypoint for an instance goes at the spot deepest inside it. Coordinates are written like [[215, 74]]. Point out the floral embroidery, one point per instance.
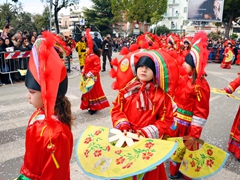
[[126, 160], [129, 158], [147, 155], [209, 152], [128, 165], [97, 153], [118, 152], [120, 160], [97, 132], [86, 153], [192, 163], [149, 145], [198, 162], [88, 140], [108, 148], [93, 145], [180, 151]]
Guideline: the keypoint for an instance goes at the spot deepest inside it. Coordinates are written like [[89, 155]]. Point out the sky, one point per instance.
[[36, 7]]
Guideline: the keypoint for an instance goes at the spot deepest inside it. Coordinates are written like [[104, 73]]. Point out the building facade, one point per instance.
[[176, 16]]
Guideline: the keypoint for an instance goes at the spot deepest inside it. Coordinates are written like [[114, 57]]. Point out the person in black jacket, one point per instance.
[[97, 41], [107, 45]]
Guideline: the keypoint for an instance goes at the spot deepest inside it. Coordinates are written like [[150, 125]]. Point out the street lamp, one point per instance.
[[50, 16]]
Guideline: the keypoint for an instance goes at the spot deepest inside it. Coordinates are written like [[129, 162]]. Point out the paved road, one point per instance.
[[15, 112]]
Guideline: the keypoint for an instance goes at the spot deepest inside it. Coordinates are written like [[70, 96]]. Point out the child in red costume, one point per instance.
[[49, 140], [143, 107], [192, 98], [95, 99], [234, 139], [228, 54]]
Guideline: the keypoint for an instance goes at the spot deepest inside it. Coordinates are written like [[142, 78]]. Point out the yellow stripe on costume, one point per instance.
[[118, 121], [184, 117]]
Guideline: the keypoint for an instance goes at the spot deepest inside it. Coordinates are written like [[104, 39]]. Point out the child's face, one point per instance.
[[144, 73], [187, 67], [34, 98], [186, 45]]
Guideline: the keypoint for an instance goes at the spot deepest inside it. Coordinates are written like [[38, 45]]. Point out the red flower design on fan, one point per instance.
[[87, 140], [210, 162], [209, 152], [97, 132], [120, 160], [118, 152], [97, 153], [149, 145], [147, 155], [128, 165], [198, 169], [108, 148], [192, 163], [86, 153]]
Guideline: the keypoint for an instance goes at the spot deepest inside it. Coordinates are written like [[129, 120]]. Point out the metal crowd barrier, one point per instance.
[[13, 62], [214, 55]]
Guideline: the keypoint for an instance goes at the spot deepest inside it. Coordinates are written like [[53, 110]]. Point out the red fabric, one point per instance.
[[125, 109], [234, 140], [38, 163], [224, 63], [140, 119], [235, 83], [123, 127], [159, 174], [238, 58], [174, 168], [187, 100], [95, 99]]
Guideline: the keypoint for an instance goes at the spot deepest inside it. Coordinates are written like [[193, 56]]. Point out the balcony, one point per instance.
[[170, 15], [173, 2], [74, 19]]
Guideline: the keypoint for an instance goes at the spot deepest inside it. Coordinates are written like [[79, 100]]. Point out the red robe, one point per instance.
[[193, 109], [95, 99], [38, 159], [227, 60], [234, 139], [153, 122]]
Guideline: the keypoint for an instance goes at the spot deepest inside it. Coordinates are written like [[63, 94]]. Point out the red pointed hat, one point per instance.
[[46, 72], [174, 40], [199, 52]]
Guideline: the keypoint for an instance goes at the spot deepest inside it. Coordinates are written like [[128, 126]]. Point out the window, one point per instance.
[[185, 10]]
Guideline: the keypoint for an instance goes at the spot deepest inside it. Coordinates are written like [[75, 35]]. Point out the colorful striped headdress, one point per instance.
[[199, 52], [174, 40], [147, 39], [166, 67]]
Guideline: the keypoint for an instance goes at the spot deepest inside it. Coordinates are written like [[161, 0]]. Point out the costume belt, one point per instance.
[[184, 115]]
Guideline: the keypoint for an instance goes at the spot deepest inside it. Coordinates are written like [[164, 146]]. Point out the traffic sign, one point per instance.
[[82, 22], [136, 31]]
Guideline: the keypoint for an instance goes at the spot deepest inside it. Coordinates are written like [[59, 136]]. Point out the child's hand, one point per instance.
[[125, 131], [191, 143], [139, 133]]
